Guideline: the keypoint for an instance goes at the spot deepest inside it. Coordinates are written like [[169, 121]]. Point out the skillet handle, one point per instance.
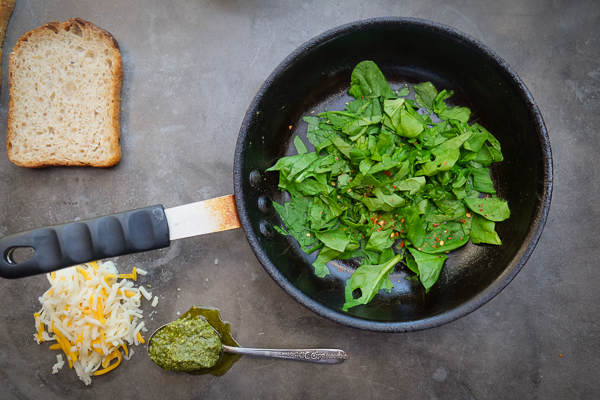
[[65, 245]]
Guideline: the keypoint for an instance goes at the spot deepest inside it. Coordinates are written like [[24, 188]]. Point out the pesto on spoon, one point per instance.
[[187, 344], [200, 342]]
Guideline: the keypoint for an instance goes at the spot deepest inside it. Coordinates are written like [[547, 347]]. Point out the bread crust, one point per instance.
[[79, 27], [6, 9]]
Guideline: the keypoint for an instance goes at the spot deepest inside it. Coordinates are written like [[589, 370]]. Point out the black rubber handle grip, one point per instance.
[[62, 246]]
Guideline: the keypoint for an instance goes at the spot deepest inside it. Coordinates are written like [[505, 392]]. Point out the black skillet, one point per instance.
[[317, 76]]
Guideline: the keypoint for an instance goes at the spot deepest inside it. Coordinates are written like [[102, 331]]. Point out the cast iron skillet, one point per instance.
[[317, 76]]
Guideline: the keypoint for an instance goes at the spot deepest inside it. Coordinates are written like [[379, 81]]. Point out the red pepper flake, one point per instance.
[[394, 186], [402, 244], [388, 173], [436, 225]]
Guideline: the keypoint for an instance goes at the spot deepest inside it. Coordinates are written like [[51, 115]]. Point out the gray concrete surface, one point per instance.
[[191, 70]]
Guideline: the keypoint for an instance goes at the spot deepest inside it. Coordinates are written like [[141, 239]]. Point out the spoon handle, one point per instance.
[[322, 356]]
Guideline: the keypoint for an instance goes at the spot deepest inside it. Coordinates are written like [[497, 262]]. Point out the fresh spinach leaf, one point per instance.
[[489, 207], [369, 279], [425, 94], [368, 81], [429, 266], [483, 231]]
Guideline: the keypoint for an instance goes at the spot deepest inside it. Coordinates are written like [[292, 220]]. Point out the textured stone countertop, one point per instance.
[[191, 68]]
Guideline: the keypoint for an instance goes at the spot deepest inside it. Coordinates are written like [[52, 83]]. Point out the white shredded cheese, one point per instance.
[[91, 316], [145, 293], [59, 364], [154, 302]]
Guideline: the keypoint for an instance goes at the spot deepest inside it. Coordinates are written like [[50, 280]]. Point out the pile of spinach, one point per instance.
[[387, 183]]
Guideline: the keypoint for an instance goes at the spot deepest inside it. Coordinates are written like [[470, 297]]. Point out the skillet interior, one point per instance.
[[317, 76]]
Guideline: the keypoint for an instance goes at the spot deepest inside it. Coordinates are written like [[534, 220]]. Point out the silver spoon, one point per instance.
[[321, 356]]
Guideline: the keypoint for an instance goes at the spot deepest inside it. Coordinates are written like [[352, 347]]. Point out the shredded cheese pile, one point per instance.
[[92, 316]]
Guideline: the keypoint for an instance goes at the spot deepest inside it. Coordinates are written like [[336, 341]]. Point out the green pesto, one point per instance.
[[187, 344]]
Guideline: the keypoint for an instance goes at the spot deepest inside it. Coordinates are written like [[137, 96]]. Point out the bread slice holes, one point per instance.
[[90, 54], [109, 62], [70, 89], [79, 49], [52, 96], [48, 53]]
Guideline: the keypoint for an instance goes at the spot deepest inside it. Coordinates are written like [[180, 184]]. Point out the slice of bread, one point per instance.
[[6, 9], [65, 97]]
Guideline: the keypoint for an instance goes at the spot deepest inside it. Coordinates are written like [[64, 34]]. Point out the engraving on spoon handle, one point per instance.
[[322, 356]]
